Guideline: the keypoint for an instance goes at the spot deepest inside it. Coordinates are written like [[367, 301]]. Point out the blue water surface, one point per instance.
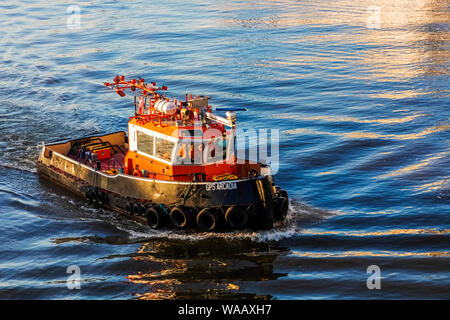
[[358, 90]]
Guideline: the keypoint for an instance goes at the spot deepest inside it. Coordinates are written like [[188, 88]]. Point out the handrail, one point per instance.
[[114, 162]]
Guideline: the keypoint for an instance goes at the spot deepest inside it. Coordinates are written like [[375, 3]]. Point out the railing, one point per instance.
[[94, 144]]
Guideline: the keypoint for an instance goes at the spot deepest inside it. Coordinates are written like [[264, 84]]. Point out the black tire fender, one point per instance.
[[129, 208], [180, 217], [100, 197], [136, 209], [208, 219], [156, 218], [284, 193], [236, 217], [280, 208], [90, 196]]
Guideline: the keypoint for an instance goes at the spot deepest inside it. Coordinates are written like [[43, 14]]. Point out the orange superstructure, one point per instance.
[[171, 139]]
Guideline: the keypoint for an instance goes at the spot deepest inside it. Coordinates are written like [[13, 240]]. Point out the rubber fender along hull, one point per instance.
[[122, 191]]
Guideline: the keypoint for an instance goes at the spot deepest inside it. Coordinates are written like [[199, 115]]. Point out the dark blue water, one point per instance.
[[363, 112]]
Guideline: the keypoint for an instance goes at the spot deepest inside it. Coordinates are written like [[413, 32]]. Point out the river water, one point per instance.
[[359, 92]]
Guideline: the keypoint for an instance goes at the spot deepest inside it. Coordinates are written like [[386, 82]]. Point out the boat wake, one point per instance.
[[299, 215], [19, 155]]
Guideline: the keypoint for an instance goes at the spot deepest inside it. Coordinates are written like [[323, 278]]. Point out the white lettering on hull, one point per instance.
[[221, 186]]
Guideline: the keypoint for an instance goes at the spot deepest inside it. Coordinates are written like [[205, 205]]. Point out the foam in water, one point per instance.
[[298, 215]]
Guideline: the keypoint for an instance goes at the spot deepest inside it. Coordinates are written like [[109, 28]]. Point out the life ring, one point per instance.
[[236, 217], [180, 217], [208, 219], [155, 217]]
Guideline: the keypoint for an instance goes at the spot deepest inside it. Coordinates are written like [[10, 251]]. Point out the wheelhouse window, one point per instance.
[[216, 150], [145, 143], [195, 152], [191, 133], [189, 152], [164, 149]]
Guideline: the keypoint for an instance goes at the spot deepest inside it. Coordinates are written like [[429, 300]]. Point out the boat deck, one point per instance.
[[115, 161]]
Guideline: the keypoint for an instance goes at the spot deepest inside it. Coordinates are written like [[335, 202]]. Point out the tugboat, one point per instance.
[[175, 167]]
